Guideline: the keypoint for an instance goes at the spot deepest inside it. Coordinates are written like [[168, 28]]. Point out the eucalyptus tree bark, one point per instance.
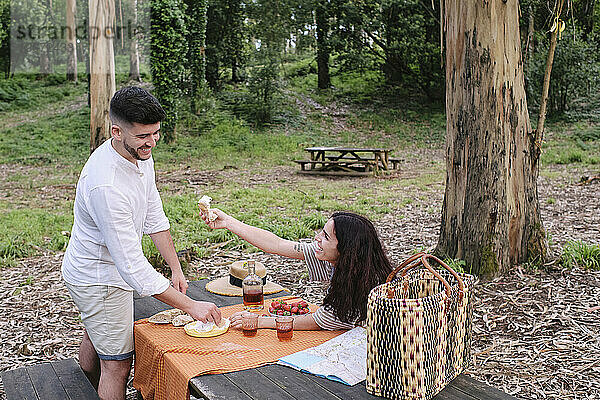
[[134, 56], [490, 214], [324, 81], [71, 41], [102, 69]]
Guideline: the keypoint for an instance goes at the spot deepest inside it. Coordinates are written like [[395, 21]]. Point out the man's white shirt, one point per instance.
[[115, 204]]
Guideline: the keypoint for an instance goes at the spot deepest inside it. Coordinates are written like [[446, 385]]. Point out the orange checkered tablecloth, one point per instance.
[[166, 358]]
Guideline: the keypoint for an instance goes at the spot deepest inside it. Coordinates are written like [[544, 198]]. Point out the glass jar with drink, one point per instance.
[[252, 288], [285, 327]]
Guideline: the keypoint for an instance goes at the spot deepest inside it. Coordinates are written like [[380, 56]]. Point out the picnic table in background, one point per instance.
[[352, 161], [279, 382]]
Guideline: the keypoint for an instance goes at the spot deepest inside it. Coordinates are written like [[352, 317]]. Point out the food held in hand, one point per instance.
[[204, 205]]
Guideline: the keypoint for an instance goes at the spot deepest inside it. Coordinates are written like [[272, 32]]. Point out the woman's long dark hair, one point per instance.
[[361, 265]]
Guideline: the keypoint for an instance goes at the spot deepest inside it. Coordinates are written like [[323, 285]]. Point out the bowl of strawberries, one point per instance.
[[280, 307]]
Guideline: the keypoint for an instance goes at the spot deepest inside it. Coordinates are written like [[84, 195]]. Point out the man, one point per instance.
[[115, 203]]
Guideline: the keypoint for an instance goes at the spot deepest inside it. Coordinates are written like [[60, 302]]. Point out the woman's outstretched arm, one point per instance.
[[263, 239]]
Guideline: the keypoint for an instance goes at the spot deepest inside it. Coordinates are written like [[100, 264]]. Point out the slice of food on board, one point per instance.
[[182, 320], [163, 317]]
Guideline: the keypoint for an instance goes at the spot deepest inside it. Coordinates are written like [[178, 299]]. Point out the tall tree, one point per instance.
[[196, 38], [323, 47], [556, 29], [71, 41], [168, 59], [102, 68], [490, 214], [134, 55], [5, 37]]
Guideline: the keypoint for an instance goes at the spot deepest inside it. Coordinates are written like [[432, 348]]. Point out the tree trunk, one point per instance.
[[235, 73], [490, 214], [45, 65], [134, 56], [71, 41], [102, 69], [530, 31], [324, 82], [539, 132]]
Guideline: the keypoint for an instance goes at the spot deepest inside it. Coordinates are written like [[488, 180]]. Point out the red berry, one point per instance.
[[295, 304], [303, 304], [287, 307], [275, 305], [304, 311], [294, 310], [280, 312]]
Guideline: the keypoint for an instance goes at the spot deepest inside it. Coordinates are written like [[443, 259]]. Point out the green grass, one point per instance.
[[577, 144], [24, 232], [580, 254]]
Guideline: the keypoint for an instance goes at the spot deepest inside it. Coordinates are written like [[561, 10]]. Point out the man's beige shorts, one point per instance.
[[107, 314]]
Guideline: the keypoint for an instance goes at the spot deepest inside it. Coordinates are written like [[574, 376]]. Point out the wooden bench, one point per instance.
[[393, 160], [330, 167], [56, 380]]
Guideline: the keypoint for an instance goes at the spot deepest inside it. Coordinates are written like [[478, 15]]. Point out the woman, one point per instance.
[[347, 252]]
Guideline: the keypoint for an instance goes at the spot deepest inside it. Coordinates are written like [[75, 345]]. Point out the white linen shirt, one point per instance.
[[116, 202]]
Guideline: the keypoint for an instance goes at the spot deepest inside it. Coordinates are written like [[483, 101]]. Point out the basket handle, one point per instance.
[[423, 260], [461, 284], [405, 263], [390, 292]]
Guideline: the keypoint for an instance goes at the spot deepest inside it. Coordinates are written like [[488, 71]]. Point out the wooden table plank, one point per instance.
[[298, 384], [73, 380], [217, 387], [257, 385], [45, 381], [452, 393], [356, 392], [480, 390], [18, 385]]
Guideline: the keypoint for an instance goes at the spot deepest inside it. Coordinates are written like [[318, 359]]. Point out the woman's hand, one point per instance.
[[219, 223], [236, 319]]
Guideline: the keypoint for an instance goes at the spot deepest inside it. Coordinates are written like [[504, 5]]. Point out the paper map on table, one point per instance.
[[342, 359]]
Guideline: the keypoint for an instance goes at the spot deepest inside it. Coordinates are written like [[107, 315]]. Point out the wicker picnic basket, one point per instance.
[[418, 329]]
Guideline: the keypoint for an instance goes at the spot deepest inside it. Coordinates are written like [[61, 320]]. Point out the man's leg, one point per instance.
[[113, 379], [89, 361]]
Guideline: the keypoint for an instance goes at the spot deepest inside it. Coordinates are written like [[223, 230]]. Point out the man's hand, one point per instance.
[[178, 280], [205, 312]]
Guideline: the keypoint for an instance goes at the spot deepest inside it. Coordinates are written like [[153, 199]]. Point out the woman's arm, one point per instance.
[[301, 322], [264, 240]]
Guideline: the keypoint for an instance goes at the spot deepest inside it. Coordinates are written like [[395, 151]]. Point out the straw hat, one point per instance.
[[232, 285]]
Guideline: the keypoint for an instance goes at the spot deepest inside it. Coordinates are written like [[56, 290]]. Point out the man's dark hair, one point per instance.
[[134, 104]]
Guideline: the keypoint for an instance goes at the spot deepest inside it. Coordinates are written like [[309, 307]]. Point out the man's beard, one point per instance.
[[132, 151]]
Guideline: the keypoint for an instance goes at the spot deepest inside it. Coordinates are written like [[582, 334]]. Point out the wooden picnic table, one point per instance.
[[346, 161], [278, 382]]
